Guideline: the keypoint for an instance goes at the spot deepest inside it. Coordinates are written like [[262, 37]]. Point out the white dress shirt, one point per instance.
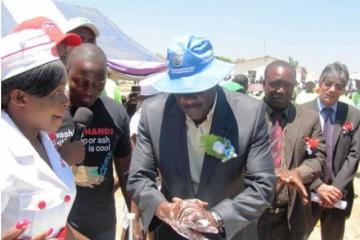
[[134, 122], [195, 151], [30, 189]]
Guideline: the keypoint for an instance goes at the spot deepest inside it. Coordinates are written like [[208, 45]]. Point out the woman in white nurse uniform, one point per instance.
[[37, 186]]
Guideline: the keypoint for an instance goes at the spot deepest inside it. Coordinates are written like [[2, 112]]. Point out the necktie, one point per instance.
[[328, 131], [276, 138]]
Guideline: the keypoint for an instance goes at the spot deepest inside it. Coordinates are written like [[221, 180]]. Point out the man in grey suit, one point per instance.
[[211, 192], [340, 124], [289, 216]]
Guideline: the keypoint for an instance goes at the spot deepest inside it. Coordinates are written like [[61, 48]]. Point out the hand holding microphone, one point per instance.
[[82, 118], [73, 150]]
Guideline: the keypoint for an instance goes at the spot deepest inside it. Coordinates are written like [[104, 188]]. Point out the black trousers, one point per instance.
[[273, 225], [332, 221]]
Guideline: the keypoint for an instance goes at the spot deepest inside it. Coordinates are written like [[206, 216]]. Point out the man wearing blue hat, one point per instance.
[[211, 148]]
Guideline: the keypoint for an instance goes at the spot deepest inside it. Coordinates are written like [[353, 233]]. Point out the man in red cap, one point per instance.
[[88, 33], [63, 41]]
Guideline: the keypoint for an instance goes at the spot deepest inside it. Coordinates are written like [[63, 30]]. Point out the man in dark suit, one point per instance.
[[288, 218], [340, 123], [233, 181]]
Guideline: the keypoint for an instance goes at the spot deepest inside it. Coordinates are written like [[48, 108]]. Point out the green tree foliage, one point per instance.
[[294, 63], [225, 59]]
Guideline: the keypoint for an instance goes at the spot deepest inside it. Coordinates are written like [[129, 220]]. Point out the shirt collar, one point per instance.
[[322, 106], [270, 110]]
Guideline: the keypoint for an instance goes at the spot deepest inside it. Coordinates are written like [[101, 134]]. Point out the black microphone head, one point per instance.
[[83, 116]]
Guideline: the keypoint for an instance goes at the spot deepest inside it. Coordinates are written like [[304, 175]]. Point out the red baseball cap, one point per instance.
[[51, 29]]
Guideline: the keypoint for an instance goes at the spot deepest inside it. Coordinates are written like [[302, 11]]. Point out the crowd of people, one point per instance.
[[195, 157]]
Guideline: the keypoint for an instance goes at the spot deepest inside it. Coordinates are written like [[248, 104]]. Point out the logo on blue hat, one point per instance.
[[192, 66], [177, 60]]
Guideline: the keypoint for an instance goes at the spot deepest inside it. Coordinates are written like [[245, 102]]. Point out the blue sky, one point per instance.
[[315, 32]]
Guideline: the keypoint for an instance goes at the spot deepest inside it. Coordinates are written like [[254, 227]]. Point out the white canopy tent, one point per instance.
[[126, 58]]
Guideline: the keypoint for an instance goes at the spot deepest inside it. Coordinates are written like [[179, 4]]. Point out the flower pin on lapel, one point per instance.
[[218, 147], [347, 127], [311, 145]]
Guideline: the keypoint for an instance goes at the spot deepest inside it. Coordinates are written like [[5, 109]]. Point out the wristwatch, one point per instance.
[[218, 219]]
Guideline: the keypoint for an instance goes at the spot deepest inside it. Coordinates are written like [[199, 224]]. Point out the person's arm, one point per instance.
[[122, 165], [330, 194], [349, 167], [122, 155], [143, 171], [312, 166], [259, 182], [138, 232]]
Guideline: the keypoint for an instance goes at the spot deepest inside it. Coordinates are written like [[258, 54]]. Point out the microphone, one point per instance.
[[82, 118]]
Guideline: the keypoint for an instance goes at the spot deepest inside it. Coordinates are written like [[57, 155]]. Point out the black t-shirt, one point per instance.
[[94, 207]]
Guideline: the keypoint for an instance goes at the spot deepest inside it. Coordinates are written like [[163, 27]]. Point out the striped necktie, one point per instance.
[[276, 138]]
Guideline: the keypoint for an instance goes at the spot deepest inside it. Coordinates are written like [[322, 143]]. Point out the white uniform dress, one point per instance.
[[30, 189]]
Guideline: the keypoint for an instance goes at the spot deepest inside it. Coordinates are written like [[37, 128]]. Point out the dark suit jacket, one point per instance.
[[302, 122], [239, 189], [345, 152]]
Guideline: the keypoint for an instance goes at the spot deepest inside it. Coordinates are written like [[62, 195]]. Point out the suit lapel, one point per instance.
[[174, 143], [340, 117], [221, 125], [290, 133], [341, 114]]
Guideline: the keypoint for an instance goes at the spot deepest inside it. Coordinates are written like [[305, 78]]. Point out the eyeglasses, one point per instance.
[[338, 87]]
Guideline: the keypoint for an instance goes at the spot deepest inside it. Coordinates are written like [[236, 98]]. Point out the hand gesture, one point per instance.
[[292, 179]]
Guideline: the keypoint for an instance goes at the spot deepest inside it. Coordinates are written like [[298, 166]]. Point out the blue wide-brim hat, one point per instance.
[[192, 67]]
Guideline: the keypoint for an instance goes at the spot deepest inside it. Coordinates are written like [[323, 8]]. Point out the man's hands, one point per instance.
[[195, 216], [292, 179], [188, 218], [329, 195], [72, 152]]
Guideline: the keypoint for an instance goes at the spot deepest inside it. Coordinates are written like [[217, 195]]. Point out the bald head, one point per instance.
[[87, 52], [86, 68], [280, 66]]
